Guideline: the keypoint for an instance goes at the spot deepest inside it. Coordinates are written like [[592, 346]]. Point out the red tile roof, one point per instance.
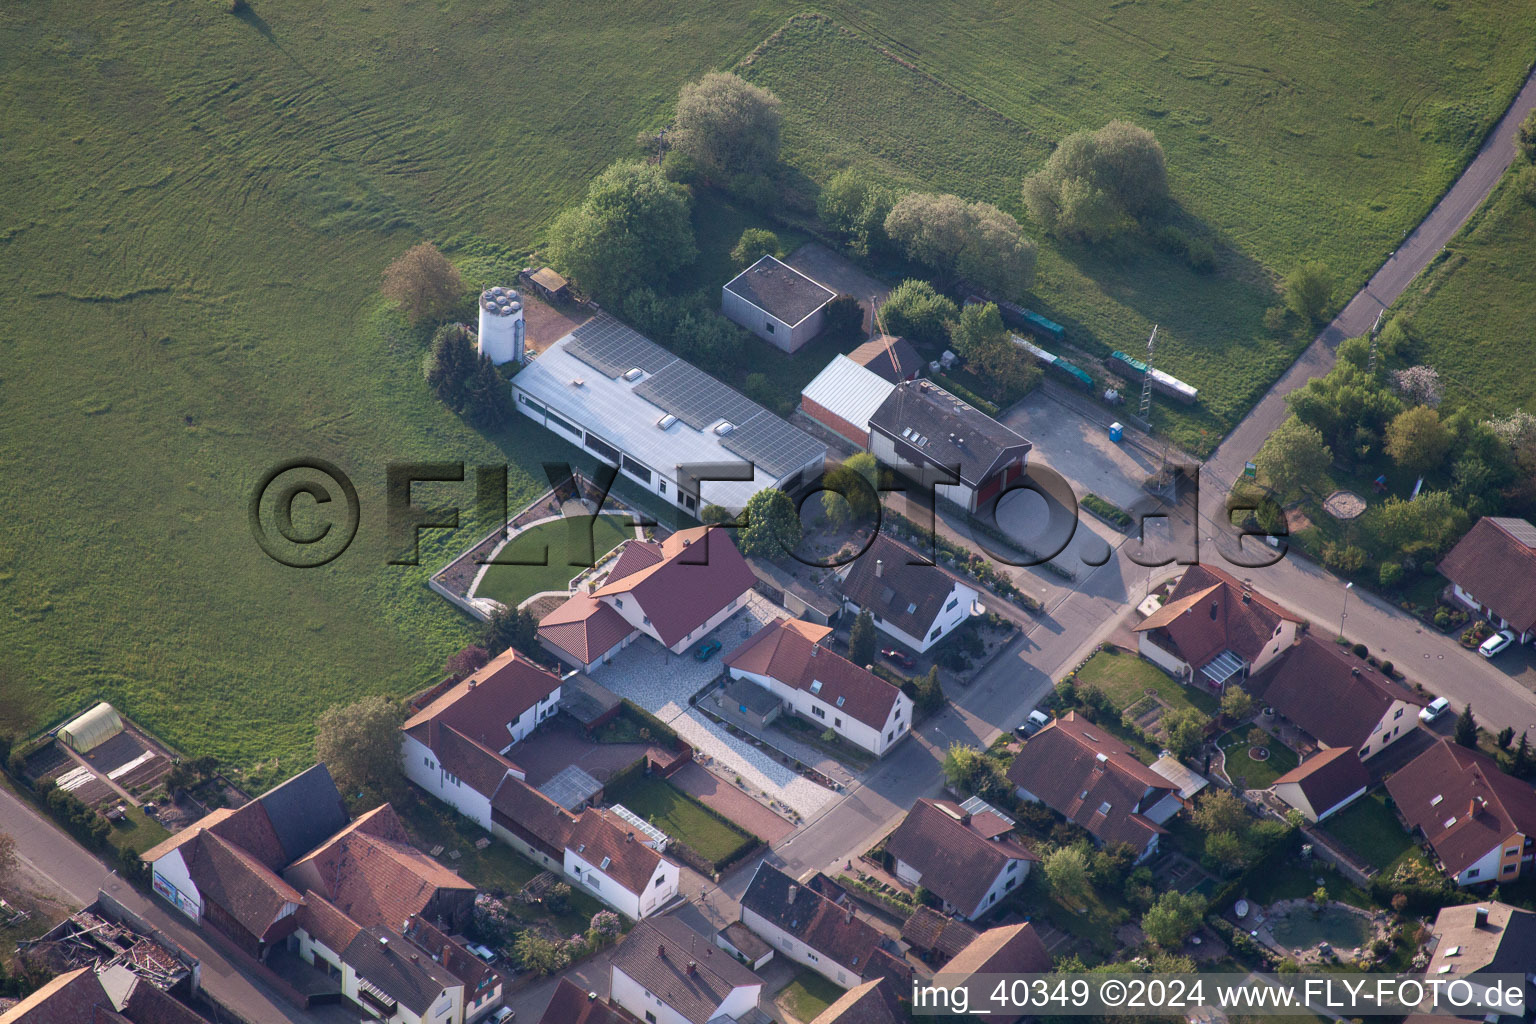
[[886, 582], [1328, 777], [584, 627], [598, 837], [893, 359], [235, 881], [789, 650], [698, 573], [1496, 563], [1012, 949], [1211, 611], [929, 930], [532, 816], [477, 766], [1462, 803], [325, 923], [573, 1005], [873, 1002], [484, 705], [1335, 696], [1079, 770], [657, 954], [958, 862]]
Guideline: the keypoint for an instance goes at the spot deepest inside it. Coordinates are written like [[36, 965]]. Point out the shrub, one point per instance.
[[727, 125], [1309, 290], [915, 311], [1525, 138], [422, 283], [843, 317], [1096, 183], [854, 205], [975, 241], [753, 245], [1390, 574]]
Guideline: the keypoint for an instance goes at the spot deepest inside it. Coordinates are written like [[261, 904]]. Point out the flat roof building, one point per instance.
[[631, 403], [776, 302]]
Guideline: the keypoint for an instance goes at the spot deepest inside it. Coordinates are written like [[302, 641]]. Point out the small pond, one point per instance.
[[1302, 928]]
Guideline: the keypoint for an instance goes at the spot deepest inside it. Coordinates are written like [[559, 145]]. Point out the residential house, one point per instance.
[[664, 972], [911, 599], [1480, 822], [605, 856], [1335, 698], [787, 659], [573, 1005], [454, 747], [1214, 629], [1493, 572], [1092, 779], [936, 936], [920, 427], [874, 1002], [1009, 950], [1324, 784], [814, 925], [1477, 939], [743, 943], [661, 421], [893, 359], [674, 592], [843, 398], [777, 303], [964, 854], [113, 995]]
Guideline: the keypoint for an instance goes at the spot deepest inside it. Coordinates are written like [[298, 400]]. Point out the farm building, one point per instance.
[[550, 285], [634, 405], [776, 302], [92, 729], [843, 397], [922, 426]]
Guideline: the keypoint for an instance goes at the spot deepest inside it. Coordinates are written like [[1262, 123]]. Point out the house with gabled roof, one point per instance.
[[608, 859], [816, 926], [1214, 629], [1493, 572], [1093, 780], [109, 995], [964, 855], [1476, 939], [664, 972], [455, 746], [788, 660], [1480, 823], [1324, 784], [874, 1002], [909, 597], [571, 1004], [1008, 950], [674, 592], [1335, 698]]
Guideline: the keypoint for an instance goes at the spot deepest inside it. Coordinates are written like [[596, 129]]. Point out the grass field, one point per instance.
[[807, 995], [1125, 678], [680, 816], [555, 555], [198, 207], [1370, 829]]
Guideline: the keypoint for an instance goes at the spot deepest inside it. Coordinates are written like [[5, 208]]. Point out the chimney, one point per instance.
[[446, 949], [1355, 671], [850, 913], [794, 890], [591, 997], [1246, 597], [383, 941], [879, 567], [629, 837], [1480, 920], [815, 649], [693, 967], [661, 952]]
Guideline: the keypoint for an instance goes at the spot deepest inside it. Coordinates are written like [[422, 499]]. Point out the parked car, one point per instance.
[[502, 1015], [1496, 643], [898, 658], [1036, 721], [706, 650], [1434, 709], [488, 955]]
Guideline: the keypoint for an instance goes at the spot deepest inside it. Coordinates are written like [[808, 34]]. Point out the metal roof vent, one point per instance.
[[633, 373], [722, 428], [666, 421]]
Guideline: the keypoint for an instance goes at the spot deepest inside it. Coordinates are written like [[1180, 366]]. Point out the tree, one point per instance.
[[1425, 525], [1225, 852], [536, 953], [1520, 766], [855, 205], [632, 228], [1236, 704], [9, 859], [1095, 184], [712, 515], [558, 899], [773, 526], [979, 328], [753, 245], [1220, 811], [928, 695], [360, 744], [851, 486], [1506, 737], [1066, 868], [1525, 138], [727, 125], [915, 311], [1185, 729], [1466, 728], [976, 241], [1419, 385], [961, 765], [1171, 920], [1294, 457], [423, 284], [487, 398], [465, 663], [862, 639], [1308, 290], [449, 364], [1417, 440], [843, 317], [514, 628]]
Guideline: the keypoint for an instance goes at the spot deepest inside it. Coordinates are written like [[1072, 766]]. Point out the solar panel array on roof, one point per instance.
[[769, 442], [1521, 530], [695, 397], [613, 348]]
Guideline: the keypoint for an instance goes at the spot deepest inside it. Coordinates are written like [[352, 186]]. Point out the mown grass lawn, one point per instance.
[[1125, 678], [136, 831], [679, 816], [1293, 880], [1370, 829], [554, 552], [807, 995], [1255, 774]]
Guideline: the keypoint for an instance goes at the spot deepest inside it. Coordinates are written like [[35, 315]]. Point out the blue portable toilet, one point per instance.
[[1116, 431]]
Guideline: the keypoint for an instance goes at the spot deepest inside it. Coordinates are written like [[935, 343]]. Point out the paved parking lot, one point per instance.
[[661, 682]]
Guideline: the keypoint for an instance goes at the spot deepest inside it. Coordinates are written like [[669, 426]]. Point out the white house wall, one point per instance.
[[173, 882], [422, 768], [1398, 722], [1162, 659], [796, 950], [835, 718]]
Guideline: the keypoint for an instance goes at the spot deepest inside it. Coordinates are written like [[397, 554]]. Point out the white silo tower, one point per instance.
[[501, 325]]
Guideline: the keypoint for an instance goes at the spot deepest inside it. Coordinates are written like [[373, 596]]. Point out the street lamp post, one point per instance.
[[1344, 612]]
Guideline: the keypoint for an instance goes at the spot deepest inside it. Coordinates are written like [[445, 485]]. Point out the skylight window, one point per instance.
[[1436, 801], [840, 701], [815, 685]]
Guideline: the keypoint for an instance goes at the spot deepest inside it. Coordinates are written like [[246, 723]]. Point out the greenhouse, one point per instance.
[[92, 729]]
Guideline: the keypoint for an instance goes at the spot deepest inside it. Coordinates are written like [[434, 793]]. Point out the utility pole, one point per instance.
[[1375, 330], [1146, 378]]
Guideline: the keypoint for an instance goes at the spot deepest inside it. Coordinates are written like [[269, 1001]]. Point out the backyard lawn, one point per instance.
[[1255, 774], [548, 556], [136, 831], [1370, 830], [1292, 880], [680, 816], [807, 995], [1125, 678]]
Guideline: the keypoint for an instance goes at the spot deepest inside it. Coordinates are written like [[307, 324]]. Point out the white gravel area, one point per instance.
[[661, 682]]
